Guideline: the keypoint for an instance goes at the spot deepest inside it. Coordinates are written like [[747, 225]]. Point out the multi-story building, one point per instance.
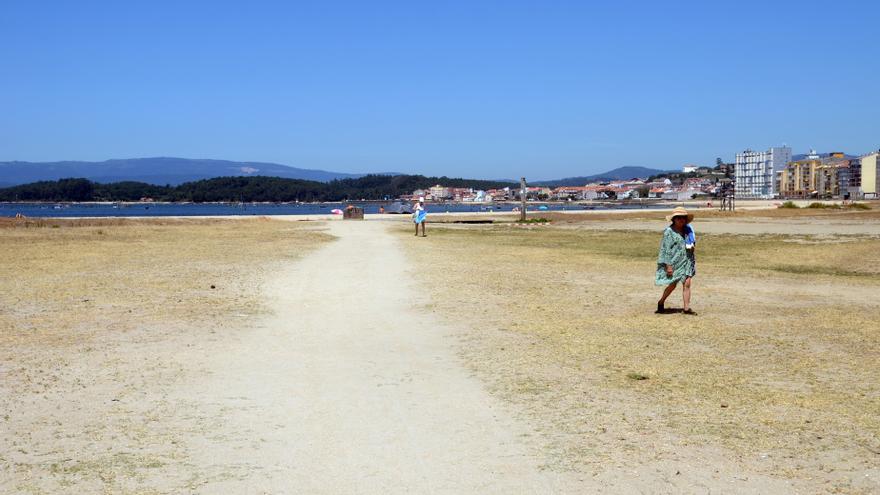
[[756, 171], [849, 177], [828, 180], [818, 177], [870, 175], [798, 179], [810, 177], [439, 192]]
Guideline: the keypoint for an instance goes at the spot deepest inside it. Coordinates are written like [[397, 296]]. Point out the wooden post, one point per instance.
[[522, 197]]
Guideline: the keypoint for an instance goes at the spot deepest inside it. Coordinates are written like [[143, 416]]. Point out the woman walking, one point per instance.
[[420, 214], [676, 262]]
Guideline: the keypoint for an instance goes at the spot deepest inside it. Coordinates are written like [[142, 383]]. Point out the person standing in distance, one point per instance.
[[420, 215]]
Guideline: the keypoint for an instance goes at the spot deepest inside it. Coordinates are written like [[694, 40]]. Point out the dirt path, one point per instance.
[[350, 389]]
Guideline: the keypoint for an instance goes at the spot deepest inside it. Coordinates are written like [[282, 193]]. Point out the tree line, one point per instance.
[[232, 189]]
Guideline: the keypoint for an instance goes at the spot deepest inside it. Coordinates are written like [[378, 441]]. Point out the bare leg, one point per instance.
[[423, 229], [668, 290], [686, 293], [417, 230]]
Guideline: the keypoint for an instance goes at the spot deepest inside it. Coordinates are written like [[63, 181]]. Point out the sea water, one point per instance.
[[261, 209]]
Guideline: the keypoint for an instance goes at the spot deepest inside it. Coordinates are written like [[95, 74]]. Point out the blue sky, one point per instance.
[[478, 89]]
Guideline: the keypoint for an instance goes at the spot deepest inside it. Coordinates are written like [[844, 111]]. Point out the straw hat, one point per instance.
[[679, 211]]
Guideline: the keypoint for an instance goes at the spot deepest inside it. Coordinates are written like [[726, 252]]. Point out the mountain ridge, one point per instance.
[[157, 170], [175, 171]]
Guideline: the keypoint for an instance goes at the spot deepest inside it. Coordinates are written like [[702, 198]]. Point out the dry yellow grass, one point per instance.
[[871, 214], [64, 275], [846, 214], [779, 368], [100, 320]]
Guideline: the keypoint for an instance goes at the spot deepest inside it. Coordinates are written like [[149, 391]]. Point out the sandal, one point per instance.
[[689, 312], [660, 309]]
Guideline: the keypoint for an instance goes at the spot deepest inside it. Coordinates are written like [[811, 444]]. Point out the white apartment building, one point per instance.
[[756, 171], [871, 175]]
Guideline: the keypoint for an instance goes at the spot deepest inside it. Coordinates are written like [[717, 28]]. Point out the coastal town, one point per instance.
[[771, 174]]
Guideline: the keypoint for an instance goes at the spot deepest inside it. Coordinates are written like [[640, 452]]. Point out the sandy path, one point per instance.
[[350, 389]]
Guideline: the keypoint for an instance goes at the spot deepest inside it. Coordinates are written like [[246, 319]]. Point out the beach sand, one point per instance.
[[353, 357]]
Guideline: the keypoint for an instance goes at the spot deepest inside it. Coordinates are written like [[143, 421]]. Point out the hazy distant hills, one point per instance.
[[620, 173], [175, 171], [159, 171]]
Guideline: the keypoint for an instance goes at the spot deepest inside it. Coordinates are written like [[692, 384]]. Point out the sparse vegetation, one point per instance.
[[534, 220], [833, 206], [87, 305], [769, 342]]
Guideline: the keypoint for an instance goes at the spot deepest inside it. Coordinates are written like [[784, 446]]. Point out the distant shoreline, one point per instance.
[[112, 209], [512, 203], [322, 211], [304, 211]]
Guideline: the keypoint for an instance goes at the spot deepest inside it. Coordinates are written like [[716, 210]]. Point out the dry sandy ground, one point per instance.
[[100, 321], [346, 388], [823, 227], [772, 389], [353, 372], [349, 389]]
